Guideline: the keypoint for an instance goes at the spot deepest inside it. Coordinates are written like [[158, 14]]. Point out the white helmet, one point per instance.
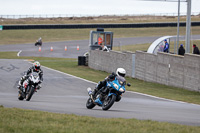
[[36, 65], [121, 72]]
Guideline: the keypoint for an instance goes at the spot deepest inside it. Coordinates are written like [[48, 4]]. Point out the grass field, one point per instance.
[[30, 36], [28, 121], [99, 19]]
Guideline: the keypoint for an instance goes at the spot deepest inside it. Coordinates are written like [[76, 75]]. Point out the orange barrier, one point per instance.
[[77, 47], [39, 49], [51, 48]]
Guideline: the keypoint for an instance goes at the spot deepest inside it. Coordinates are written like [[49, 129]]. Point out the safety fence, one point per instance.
[[82, 26]]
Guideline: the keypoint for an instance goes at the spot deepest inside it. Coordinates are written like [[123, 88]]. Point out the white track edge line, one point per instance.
[[147, 95], [67, 74], [19, 53], [159, 97]]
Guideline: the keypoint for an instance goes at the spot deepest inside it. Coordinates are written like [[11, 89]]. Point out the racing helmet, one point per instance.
[[36, 65], [121, 72]]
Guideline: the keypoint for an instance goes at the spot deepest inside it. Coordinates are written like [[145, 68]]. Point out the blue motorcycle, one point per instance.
[[106, 96]]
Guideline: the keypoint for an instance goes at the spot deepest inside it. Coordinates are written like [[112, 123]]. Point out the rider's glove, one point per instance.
[[40, 81], [39, 86], [112, 76], [24, 77]]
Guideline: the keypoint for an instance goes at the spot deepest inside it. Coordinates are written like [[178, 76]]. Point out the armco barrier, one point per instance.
[[82, 26]]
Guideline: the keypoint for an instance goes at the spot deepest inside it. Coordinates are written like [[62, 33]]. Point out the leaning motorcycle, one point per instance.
[[106, 97], [29, 87], [38, 43]]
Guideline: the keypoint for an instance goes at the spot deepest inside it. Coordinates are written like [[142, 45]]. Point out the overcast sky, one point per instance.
[[100, 7]]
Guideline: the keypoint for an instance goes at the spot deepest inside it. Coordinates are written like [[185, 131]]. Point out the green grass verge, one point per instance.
[[70, 66], [28, 121], [49, 35]]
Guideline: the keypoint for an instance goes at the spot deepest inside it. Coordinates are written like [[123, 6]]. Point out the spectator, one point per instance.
[[181, 50], [195, 49], [100, 41], [104, 48], [166, 47]]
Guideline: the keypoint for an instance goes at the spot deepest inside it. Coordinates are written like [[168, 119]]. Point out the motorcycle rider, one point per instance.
[[102, 84], [34, 68], [39, 42]]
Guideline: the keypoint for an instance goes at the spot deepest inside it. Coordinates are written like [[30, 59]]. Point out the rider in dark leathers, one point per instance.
[[34, 68], [102, 84]]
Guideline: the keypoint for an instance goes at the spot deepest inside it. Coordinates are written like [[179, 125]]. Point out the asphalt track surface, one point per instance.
[[72, 52], [63, 93]]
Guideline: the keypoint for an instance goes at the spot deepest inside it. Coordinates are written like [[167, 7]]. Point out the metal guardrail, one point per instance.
[[82, 26]]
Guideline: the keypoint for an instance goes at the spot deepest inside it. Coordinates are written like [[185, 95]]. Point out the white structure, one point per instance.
[[158, 45]]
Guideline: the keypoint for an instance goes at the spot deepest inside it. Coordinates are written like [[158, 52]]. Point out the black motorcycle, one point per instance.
[[38, 43]]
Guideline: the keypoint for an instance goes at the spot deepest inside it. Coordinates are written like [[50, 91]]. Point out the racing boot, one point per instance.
[[20, 87], [98, 87], [93, 92], [89, 90], [20, 84]]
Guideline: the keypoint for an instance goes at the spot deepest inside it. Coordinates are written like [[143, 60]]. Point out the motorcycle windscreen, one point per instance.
[[121, 80]]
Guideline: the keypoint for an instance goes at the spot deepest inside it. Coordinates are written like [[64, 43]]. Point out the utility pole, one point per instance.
[[188, 26], [178, 26]]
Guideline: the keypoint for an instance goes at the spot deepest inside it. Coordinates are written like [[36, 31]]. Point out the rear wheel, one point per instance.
[[108, 102], [90, 104], [30, 93]]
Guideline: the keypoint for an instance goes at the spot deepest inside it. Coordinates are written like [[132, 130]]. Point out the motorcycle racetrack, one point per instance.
[[63, 93], [57, 49]]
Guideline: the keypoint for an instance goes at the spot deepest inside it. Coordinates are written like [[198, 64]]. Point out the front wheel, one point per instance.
[[30, 94], [90, 104], [108, 102]]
